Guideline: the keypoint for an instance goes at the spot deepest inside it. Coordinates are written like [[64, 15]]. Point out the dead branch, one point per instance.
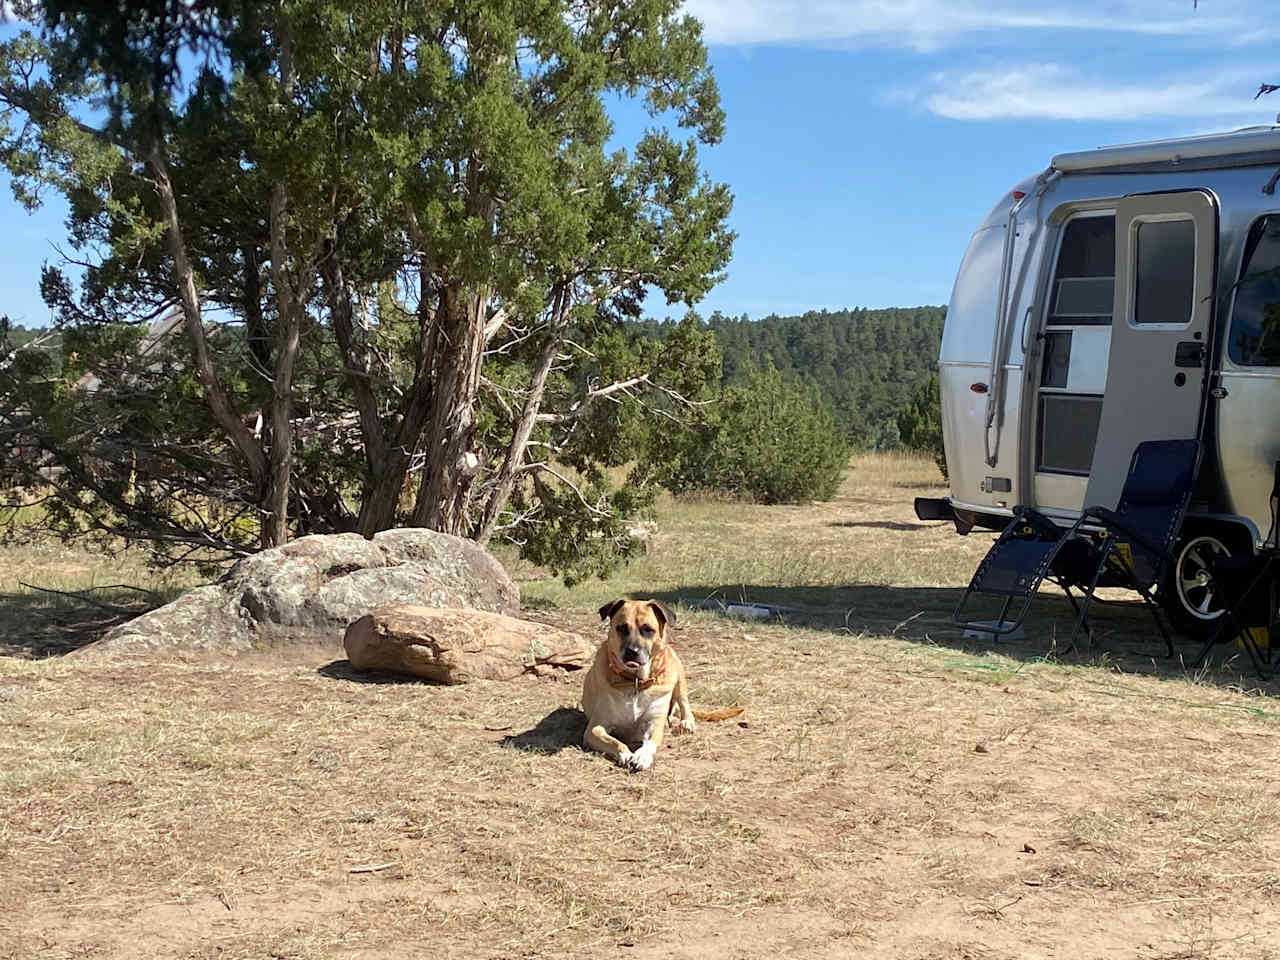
[[579, 408], [374, 867], [587, 505]]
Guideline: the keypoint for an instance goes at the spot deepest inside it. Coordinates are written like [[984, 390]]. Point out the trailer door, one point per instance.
[[1166, 250]]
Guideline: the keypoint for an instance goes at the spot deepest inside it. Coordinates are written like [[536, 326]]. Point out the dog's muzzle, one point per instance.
[[633, 658]]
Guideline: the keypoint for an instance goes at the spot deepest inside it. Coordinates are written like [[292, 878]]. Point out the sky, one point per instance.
[[866, 139]]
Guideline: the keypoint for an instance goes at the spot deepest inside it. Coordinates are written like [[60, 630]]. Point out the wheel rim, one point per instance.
[[1192, 575]]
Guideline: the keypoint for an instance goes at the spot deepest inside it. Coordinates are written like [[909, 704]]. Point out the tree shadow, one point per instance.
[[345, 670], [560, 729], [45, 623], [882, 524], [1125, 636]]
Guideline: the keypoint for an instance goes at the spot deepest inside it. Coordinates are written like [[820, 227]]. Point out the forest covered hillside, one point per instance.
[[866, 363]]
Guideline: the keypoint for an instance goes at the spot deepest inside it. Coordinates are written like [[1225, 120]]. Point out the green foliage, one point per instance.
[[866, 363], [584, 522], [401, 252], [766, 439], [920, 422], [586, 530]]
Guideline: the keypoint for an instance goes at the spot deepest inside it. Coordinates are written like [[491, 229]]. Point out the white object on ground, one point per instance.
[[986, 629]]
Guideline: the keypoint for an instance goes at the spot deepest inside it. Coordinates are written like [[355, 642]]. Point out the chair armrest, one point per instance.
[[1113, 519]]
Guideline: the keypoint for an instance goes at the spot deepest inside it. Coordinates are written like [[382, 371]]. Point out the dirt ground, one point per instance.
[[890, 790]]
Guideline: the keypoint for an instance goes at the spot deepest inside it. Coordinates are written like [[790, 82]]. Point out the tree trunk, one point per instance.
[[275, 525], [356, 367], [378, 511], [388, 458], [254, 323], [511, 463], [456, 358], [378, 505]]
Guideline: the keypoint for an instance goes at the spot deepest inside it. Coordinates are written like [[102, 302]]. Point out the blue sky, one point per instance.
[[867, 138]]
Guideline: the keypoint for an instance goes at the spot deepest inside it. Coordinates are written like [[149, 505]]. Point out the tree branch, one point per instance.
[[184, 279], [505, 481], [579, 409]]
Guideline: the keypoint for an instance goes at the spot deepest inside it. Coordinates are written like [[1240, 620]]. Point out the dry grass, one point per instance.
[[55, 598], [885, 794]]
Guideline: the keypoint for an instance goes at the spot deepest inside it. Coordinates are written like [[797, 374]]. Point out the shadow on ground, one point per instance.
[[1125, 636], [558, 730], [344, 670], [880, 524], [40, 624]]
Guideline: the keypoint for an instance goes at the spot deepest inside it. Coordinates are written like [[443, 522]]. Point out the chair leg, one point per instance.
[[1155, 615], [1082, 616], [1255, 654], [1081, 620], [1230, 622], [1227, 630], [1217, 636], [1000, 620]]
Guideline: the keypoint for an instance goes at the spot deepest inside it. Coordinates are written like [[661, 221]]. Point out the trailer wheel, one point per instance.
[[1188, 595]]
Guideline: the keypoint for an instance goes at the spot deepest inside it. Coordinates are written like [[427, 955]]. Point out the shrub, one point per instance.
[[767, 439], [920, 422]]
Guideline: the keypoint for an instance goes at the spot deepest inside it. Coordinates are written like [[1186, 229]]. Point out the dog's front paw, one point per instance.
[[625, 758], [684, 725], [642, 759]]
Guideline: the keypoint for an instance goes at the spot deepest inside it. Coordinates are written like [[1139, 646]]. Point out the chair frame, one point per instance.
[[1099, 525], [1265, 576]]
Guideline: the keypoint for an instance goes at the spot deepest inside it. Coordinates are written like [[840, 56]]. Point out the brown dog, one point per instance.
[[635, 682]]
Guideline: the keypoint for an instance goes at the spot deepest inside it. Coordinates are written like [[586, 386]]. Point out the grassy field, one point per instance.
[[891, 789]]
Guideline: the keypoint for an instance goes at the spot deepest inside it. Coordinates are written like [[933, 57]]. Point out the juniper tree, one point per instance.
[[400, 244]]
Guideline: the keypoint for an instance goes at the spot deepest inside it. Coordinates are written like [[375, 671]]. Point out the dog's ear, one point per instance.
[[610, 608], [664, 615]]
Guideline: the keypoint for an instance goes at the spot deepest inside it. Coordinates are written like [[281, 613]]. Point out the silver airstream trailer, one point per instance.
[[1125, 294]]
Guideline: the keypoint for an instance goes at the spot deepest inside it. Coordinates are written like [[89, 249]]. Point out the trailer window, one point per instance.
[[1067, 433], [1165, 269], [1084, 282], [1255, 317]]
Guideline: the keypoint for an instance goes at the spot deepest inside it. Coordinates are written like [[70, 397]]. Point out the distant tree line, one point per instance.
[[19, 336], [867, 366]]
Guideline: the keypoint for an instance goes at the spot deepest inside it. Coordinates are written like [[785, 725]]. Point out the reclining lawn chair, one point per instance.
[[1249, 587], [1129, 546]]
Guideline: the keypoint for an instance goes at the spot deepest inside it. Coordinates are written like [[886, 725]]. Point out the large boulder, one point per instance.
[[310, 589], [455, 646]]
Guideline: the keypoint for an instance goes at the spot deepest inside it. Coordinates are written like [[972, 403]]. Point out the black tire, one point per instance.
[[1188, 594]]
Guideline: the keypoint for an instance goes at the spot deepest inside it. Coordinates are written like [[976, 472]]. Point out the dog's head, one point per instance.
[[637, 634]]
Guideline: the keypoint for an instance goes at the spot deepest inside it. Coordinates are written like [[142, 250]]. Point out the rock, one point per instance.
[[309, 590], [455, 646]]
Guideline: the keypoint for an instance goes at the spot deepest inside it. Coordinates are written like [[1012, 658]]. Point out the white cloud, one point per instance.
[[934, 24], [1054, 92]]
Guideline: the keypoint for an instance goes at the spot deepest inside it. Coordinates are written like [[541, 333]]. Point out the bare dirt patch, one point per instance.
[[889, 791]]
